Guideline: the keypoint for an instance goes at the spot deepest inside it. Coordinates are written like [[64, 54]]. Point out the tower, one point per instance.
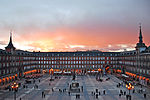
[[10, 47], [140, 46]]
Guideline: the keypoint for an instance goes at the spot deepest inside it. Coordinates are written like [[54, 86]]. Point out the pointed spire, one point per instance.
[[10, 33], [140, 45], [140, 35], [10, 44], [10, 41]]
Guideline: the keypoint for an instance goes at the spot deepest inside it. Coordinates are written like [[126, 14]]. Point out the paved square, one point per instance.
[[59, 89]]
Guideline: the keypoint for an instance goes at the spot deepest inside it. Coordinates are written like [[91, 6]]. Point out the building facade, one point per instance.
[[15, 64]]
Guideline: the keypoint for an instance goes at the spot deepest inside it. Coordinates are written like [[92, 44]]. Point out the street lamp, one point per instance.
[[51, 71], [15, 88], [99, 71], [129, 87]]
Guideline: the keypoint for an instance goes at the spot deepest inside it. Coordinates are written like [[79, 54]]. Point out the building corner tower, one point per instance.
[[140, 46], [10, 47]]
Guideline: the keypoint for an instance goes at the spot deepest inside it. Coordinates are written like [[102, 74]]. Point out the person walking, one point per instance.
[[104, 92], [69, 93], [82, 88], [99, 93], [144, 95], [119, 95], [133, 90], [124, 92], [42, 94]]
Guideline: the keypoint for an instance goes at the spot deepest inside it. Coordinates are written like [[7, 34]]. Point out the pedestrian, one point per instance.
[[120, 91], [127, 97], [124, 92], [76, 96], [39, 80], [104, 92], [96, 96], [79, 96], [99, 93], [119, 95], [23, 86], [144, 95], [69, 93], [42, 94], [133, 91], [139, 90]]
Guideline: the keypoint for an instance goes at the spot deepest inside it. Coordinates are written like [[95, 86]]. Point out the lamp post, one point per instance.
[[129, 87], [51, 71], [99, 70], [15, 88]]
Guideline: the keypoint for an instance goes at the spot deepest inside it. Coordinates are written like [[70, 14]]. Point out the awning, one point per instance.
[[67, 72], [124, 75], [58, 72]]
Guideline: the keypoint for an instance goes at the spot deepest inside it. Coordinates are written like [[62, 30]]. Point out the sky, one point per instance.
[[74, 25]]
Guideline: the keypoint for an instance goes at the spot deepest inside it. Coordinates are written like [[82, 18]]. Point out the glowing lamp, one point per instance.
[[99, 69]]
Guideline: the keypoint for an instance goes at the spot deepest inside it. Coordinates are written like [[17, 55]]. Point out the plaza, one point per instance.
[[74, 50], [90, 89]]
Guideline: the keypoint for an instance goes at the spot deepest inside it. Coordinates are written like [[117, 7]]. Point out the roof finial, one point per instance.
[[10, 33], [140, 25], [140, 34]]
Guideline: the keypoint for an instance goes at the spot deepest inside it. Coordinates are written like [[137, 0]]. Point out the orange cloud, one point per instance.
[[71, 39]]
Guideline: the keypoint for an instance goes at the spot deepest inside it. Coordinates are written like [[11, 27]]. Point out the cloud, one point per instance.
[[52, 25], [119, 47], [3, 43]]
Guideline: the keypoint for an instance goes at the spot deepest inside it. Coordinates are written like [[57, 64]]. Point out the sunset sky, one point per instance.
[[71, 25]]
